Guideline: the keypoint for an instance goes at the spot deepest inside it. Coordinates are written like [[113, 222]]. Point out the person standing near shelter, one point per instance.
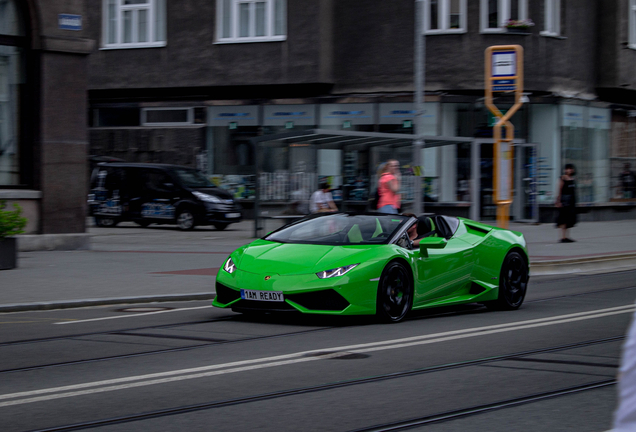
[[321, 200], [566, 203], [389, 188]]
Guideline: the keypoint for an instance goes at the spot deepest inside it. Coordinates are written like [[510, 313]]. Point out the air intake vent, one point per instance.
[[226, 294], [326, 300]]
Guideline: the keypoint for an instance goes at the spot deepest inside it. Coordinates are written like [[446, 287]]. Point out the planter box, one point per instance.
[[519, 30], [8, 253]]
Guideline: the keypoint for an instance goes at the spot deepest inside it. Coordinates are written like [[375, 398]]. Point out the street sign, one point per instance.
[[69, 22], [504, 71]]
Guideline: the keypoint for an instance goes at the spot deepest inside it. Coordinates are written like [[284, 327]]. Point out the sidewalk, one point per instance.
[[129, 264]]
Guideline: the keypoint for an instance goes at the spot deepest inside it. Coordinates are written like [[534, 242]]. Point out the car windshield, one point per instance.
[[340, 229], [192, 178]]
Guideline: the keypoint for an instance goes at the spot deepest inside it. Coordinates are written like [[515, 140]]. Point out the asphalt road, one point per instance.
[[549, 366]]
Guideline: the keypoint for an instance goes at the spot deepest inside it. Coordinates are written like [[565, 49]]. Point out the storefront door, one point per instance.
[[526, 207]]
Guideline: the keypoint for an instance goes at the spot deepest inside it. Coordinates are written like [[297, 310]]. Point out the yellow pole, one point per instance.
[[503, 206]]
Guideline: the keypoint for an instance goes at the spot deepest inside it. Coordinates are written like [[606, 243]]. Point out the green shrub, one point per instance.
[[11, 223]]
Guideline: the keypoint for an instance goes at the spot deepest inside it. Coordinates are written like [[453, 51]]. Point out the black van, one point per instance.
[[158, 193]]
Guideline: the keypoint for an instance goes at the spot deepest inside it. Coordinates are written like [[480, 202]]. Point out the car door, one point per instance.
[[157, 200], [443, 273]]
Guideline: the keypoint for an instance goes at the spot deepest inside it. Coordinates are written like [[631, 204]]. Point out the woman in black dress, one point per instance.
[[566, 203]]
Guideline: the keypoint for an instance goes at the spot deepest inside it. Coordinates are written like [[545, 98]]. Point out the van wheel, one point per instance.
[[185, 220], [106, 222], [220, 226]]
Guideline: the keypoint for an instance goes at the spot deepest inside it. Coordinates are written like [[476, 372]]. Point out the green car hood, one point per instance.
[[288, 259]]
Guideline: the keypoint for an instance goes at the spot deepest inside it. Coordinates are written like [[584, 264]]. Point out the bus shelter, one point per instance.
[[289, 167]]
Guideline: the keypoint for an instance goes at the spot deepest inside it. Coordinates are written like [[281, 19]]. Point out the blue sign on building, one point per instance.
[[69, 22]]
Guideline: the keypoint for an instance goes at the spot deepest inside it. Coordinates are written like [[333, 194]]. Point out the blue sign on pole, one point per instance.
[[69, 22]]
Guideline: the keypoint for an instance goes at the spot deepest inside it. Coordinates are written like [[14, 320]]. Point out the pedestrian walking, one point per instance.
[[389, 188], [566, 203], [321, 200]]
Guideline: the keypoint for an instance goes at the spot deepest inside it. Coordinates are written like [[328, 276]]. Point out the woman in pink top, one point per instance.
[[388, 188]]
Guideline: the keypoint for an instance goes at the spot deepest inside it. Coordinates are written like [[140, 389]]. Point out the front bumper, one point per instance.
[[303, 293]]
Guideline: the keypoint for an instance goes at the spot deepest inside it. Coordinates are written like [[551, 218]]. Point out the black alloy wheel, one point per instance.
[[185, 220], [513, 282], [395, 293], [106, 222], [220, 226]]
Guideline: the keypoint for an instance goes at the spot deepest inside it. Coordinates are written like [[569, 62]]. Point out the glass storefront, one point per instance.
[[11, 86], [585, 135]]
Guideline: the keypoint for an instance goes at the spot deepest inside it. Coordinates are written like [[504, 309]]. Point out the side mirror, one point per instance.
[[431, 243]]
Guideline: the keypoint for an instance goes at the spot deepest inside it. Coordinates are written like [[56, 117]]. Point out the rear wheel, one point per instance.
[[395, 293], [106, 222], [513, 282], [220, 226], [185, 220]]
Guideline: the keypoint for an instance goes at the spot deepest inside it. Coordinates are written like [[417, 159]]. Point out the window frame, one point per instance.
[[503, 15], [552, 21], [443, 18], [270, 22], [153, 7], [144, 116], [631, 23]]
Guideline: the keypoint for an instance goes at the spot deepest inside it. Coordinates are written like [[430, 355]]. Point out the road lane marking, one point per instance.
[[132, 315], [299, 357]]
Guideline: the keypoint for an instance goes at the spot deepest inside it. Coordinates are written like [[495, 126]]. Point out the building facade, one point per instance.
[[43, 112], [191, 83]]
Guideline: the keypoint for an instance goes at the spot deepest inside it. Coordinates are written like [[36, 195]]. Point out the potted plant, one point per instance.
[[11, 223], [519, 26]]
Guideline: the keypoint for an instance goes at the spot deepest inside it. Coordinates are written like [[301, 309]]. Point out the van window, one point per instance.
[[157, 181], [192, 178]]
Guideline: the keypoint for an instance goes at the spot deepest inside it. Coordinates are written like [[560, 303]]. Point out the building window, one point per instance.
[[12, 87], [134, 23], [167, 116], [251, 20], [495, 14], [445, 16], [552, 18], [632, 24]]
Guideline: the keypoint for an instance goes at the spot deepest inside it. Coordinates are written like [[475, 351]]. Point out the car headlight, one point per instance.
[[340, 271], [207, 198], [229, 266]]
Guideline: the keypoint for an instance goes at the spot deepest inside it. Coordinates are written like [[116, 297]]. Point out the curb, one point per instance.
[[50, 242], [23, 307], [598, 264]]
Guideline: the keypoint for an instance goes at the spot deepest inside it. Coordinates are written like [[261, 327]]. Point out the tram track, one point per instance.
[[403, 424], [207, 342]]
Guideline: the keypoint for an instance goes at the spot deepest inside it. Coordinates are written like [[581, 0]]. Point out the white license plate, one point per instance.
[[232, 215], [276, 296]]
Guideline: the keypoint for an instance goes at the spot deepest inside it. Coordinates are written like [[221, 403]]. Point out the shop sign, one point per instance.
[[233, 116], [281, 115], [337, 114], [599, 118], [404, 114], [573, 116]]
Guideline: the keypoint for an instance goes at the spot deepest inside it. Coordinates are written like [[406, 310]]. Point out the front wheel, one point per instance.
[[513, 282], [395, 293], [185, 220]]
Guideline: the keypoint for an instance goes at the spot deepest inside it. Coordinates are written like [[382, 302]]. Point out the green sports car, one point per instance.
[[363, 264]]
